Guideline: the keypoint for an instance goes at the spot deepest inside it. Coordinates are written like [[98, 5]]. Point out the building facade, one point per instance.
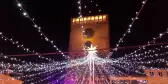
[[153, 76], [4, 79], [87, 31]]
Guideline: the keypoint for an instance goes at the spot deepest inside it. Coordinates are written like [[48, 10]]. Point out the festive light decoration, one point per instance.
[[25, 13], [28, 67], [150, 42], [108, 65], [91, 49], [130, 26], [22, 47], [90, 69]]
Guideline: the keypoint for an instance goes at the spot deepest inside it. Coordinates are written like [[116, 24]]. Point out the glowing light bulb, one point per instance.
[[92, 49], [35, 25], [19, 4], [143, 2], [24, 13], [161, 34]]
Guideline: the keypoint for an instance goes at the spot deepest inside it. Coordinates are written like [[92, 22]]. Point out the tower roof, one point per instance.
[[90, 19]]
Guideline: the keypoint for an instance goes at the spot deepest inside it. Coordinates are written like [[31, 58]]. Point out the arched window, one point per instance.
[[89, 33], [88, 44]]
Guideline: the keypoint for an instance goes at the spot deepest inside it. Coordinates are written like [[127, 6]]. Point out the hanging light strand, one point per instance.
[[129, 28], [149, 42], [82, 26], [22, 47], [38, 28]]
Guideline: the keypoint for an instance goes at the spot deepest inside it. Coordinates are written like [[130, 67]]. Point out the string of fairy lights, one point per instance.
[[15, 59], [140, 56], [28, 67], [150, 42], [82, 26], [80, 15], [38, 28], [3, 37], [128, 31], [146, 52]]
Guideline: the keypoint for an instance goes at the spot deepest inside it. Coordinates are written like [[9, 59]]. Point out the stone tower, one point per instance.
[[96, 33]]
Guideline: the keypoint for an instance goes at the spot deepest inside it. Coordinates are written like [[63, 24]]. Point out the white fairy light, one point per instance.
[[19, 4], [125, 64], [92, 49], [24, 13]]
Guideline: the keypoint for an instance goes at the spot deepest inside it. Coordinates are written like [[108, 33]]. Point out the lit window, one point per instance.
[[96, 19], [81, 20], [84, 20], [73, 20], [100, 18], [88, 18], [160, 74], [77, 20], [151, 74], [104, 18], [92, 18]]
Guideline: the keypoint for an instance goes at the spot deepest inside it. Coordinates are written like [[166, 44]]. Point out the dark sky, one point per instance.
[[54, 18]]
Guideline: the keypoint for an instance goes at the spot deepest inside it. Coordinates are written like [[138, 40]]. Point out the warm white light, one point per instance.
[[24, 13], [35, 25], [92, 49], [161, 34], [130, 25], [90, 12], [19, 4], [143, 2]]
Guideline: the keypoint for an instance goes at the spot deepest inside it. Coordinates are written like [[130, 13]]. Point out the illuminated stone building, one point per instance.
[[96, 32], [87, 31]]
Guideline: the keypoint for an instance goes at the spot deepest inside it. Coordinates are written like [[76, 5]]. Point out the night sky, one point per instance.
[[54, 18]]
